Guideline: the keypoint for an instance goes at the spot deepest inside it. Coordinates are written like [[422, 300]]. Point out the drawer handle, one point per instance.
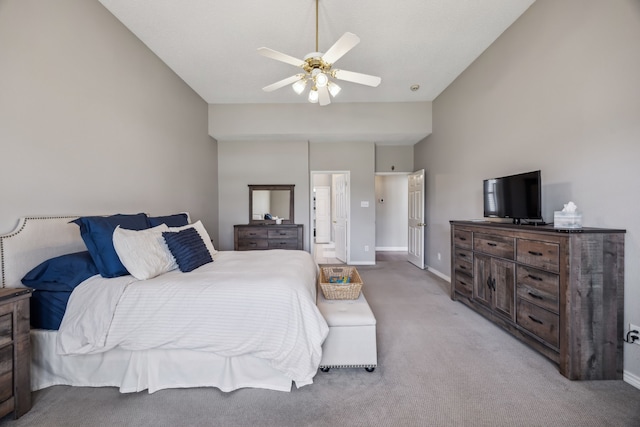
[[462, 255], [462, 267], [462, 238], [535, 253], [492, 244], [252, 234], [283, 243], [283, 234], [252, 244], [536, 320], [539, 279], [536, 296]]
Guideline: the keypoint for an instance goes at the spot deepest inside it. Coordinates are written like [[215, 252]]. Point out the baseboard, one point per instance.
[[391, 249], [362, 263], [632, 379], [439, 274]]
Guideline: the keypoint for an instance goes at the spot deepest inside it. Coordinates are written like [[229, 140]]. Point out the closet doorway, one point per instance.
[[330, 216]]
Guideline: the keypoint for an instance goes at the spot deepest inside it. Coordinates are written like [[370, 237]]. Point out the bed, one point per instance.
[[246, 319]]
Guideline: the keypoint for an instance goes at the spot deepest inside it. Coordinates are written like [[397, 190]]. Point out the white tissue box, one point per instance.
[[567, 219]]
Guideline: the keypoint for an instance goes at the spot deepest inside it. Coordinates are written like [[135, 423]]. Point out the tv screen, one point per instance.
[[514, 196]]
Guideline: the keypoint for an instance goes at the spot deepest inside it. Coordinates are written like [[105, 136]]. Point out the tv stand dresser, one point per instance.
[[559, 291]]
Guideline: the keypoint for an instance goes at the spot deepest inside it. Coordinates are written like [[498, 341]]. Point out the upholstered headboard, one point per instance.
[[34, 240]]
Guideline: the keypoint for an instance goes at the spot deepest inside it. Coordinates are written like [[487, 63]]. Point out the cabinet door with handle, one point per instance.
[[503, 276], [482, 279]]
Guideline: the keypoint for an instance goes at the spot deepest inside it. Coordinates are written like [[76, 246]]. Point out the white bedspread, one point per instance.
[[259, 303]]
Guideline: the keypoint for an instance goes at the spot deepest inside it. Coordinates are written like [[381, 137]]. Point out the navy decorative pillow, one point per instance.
[[47, 308], [97, 233], [62, 273], [177, 220], [188, 248]]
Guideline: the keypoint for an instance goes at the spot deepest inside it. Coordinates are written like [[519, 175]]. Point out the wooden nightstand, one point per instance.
[[15, 352]]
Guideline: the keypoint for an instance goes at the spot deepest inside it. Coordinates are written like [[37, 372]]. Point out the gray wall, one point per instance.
[[260, 162], [359, 159], [394, 158], [92, 122], [392, 211], [558, 91]]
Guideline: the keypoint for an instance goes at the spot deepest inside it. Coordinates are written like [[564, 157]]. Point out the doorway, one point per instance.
[[330, 216], [391, 191]]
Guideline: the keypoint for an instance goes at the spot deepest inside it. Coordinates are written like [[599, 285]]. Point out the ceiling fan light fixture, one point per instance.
[[334, 89], [313, 95], [299, 86], [321, 79]]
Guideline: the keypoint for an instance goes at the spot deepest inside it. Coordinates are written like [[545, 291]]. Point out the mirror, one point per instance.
[[268, 202]]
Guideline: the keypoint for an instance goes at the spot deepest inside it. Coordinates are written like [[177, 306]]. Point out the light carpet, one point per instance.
[[439, 364]]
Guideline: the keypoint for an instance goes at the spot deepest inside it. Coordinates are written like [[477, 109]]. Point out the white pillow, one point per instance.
[[202, 232], [144, 253]]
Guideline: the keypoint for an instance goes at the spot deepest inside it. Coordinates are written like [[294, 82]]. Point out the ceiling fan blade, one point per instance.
[[279, 56], [363, 79], [339, 48], [282, 83], [323, 96]]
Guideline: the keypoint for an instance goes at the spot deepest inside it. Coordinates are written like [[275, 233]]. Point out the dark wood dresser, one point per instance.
[[252, 237], [15, 352], [560, 291]]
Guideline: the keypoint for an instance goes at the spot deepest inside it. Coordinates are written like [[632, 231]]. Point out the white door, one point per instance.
[[341, 214], [416, 219], [323, 214]]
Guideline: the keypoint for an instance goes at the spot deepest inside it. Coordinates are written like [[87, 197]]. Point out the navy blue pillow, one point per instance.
[[97, 233], [47, 308], [62, 273], [177, 220], [188, 248]]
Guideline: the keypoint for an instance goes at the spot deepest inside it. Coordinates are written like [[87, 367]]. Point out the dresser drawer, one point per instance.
[[539, 287], [463, 261], [540, 322], [539, 254], [283, 243], [462, 238], [500, 246], [253, 233], [464, 284], [6, 328], [283, 233], [251, 244]]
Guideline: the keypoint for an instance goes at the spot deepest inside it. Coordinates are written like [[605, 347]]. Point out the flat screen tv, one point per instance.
[[515, 196]]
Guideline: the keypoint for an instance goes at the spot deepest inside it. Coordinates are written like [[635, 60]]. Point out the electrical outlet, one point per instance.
[[366, 248], [439, 256], [636, 328]]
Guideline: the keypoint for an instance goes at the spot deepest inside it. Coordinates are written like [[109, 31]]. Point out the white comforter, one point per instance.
[[260, 303]]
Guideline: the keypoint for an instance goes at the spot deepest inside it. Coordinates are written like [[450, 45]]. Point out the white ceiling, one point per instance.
[[211, 44]]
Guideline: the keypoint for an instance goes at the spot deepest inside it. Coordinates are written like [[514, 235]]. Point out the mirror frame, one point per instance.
[[253, 187]]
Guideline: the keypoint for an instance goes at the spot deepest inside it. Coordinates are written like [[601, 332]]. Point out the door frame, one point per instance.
[[312, 239]]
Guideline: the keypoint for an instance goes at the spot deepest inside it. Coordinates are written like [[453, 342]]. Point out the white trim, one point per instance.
[[362, 263], [439, 274], [632, 379], [391, 248]]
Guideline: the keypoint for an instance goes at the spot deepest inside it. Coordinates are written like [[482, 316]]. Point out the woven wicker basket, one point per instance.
[[332, 290]]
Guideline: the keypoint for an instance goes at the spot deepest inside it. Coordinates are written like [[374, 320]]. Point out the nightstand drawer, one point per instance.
[[6, 372], [6, 328]]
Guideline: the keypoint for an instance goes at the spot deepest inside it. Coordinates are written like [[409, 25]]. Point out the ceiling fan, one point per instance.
[[318, 69]]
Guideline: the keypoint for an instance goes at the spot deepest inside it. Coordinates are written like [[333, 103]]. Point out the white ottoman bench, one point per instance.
[[351, 342]]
